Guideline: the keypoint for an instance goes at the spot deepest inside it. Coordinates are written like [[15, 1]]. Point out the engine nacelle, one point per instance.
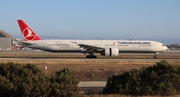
[[111, 52]]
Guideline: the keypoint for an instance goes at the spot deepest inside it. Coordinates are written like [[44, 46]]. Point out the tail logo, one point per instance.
[[28, 34]]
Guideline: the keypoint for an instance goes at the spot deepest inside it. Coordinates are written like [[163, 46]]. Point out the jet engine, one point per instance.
[[110, 52]]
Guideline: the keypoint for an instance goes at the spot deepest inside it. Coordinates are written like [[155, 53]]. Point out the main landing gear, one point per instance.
[[91, 55], [155, 55]]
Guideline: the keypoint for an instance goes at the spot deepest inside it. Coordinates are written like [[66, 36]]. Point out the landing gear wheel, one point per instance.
[[94, 56], [88, 56], [155, 57]]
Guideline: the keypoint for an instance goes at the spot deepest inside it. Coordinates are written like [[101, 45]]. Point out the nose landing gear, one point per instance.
[[155, 55]]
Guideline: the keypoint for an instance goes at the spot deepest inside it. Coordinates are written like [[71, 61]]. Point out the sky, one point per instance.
[[157, 20]]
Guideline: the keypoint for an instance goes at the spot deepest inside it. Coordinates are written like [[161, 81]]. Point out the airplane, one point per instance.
[[103, 47]]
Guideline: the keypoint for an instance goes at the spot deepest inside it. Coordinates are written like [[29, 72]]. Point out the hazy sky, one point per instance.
[[95, 19]]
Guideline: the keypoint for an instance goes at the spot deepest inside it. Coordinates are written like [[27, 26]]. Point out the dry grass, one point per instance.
[[90, 69], [84, 69], [79, 65]]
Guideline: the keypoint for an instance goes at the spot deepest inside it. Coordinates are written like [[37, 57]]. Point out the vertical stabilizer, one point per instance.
[[26, 31]]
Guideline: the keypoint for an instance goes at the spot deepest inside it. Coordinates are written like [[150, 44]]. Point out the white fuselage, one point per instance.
[[124, 46]]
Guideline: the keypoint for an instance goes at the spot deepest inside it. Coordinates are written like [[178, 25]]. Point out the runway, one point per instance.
[[42, 55], [85, 59], [174, 52]]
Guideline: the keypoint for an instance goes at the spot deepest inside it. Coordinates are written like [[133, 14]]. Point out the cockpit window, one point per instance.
[[163, 45]]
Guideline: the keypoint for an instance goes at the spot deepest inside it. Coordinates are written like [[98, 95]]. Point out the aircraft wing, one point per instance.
[[90, 48]]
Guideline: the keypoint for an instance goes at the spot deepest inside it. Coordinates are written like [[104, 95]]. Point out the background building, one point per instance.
[[6, 41]]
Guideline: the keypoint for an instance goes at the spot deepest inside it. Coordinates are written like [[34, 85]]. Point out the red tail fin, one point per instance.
[[26, 31]]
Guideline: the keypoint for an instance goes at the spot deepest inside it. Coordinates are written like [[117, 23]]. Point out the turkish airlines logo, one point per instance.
[[28, 34]]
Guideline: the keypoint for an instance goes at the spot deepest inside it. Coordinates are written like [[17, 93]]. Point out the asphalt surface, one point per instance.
[[170, 53], [175, 52], [85, 59]]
